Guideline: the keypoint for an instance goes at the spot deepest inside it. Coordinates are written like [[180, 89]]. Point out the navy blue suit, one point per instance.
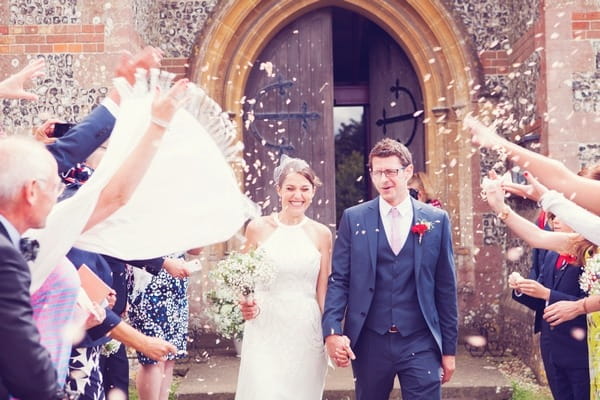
[[82, 139], [419, 287], [564, 347]]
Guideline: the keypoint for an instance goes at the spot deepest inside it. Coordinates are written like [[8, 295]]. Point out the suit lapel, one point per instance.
[[548, 270], [418, 215], [372, 227], [561, 273]]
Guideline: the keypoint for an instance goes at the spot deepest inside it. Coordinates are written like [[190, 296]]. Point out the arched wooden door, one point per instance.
[[288, 109], [289, 104]]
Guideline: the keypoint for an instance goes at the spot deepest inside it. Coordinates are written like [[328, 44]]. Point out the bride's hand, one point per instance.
[[249, 308]]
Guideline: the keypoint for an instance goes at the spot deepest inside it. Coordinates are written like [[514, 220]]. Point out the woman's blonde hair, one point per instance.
[[423, 184], [581, 247]]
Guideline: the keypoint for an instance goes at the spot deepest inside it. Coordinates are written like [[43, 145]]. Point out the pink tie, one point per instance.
[[396, 240]]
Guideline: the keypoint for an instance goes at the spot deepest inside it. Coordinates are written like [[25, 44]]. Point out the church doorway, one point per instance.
[[325, 88]]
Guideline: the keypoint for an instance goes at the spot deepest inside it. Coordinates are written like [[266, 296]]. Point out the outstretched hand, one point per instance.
[[13, 86], [176, 267], [492, 189], [482, 136], [149, 57], [157, 348], [165, 105], [534, 190]]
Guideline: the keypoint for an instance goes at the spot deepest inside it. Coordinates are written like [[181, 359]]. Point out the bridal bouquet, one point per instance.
[[225, 314], [242, 272], [589, 280], [236, 275]]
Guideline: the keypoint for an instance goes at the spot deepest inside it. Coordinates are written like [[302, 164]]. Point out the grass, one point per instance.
[[172, 394], [526, 392]]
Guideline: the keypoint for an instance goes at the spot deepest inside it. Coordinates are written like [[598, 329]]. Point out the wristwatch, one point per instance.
[[502, 215]]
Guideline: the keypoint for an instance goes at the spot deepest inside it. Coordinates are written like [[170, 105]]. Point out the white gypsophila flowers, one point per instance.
[[243, 272], [236, 275], [589, 280], [225, 314]]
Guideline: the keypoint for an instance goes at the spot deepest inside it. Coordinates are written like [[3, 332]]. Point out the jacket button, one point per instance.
[[363, 314], [370, 289]]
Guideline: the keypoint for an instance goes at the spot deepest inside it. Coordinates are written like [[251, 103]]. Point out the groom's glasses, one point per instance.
[[389, 173]]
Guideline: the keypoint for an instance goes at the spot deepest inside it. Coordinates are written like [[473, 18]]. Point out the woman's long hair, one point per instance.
[[581, 247]]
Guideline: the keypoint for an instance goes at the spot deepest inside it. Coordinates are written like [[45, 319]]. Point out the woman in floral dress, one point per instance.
[[158, 308]]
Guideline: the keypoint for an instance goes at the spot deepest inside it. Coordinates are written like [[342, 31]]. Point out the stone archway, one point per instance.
[[238, 31]]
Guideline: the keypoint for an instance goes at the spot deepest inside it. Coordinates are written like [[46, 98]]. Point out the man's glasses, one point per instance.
[[58, 189], [389, 173]]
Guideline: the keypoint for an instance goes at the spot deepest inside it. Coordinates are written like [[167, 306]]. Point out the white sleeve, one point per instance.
[[578, 218]]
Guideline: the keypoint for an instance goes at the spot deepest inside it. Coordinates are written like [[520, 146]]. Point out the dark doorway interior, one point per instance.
[[376, 93]]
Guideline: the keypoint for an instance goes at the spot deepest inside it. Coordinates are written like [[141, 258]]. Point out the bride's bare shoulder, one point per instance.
[[321, 232], [261, 225]]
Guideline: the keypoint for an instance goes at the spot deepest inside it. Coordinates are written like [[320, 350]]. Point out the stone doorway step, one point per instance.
[[214, 378]]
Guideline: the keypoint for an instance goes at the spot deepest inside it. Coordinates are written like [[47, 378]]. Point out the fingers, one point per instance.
[[178, 92], [537, 188], [34, 69]]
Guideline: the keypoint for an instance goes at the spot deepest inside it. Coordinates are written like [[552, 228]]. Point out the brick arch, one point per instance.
[[238, 31]]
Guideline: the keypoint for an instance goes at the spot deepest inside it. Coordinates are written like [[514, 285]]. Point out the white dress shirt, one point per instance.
[[406, 216]]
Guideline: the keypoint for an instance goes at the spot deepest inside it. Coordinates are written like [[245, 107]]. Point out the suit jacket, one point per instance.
[[26, 370], [81, 140], [566, 350], [352, 281]]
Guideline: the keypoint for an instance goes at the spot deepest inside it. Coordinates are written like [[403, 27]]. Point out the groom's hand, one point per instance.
[[338, 348], [448, 367]]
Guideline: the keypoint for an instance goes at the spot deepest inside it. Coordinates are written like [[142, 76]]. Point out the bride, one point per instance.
[[283, 355]]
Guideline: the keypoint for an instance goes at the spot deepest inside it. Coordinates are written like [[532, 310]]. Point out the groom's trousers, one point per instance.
[[415, 359]]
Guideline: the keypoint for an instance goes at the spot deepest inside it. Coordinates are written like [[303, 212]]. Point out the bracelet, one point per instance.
[[502, 215], [159, 122], [585, 305]]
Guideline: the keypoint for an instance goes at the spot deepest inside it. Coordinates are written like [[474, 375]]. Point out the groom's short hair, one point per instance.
[[388, 148]]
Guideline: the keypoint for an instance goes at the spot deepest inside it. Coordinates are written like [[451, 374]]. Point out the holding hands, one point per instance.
[[338, 348]]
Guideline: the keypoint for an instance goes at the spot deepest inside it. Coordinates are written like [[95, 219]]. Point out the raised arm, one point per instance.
[[551, 173], [526, 230], [122, 185]]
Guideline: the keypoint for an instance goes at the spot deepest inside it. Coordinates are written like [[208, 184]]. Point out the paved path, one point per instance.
[[215, 379]]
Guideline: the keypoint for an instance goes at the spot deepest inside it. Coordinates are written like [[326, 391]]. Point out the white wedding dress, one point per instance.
[[283, 355]]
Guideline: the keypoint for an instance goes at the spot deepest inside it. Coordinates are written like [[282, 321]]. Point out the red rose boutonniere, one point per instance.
[[420, 228]]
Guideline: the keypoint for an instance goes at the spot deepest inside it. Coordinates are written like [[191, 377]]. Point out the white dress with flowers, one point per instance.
[[283, 356]]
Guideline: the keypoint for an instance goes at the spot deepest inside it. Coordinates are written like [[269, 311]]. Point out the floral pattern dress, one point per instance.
[[161, 310]]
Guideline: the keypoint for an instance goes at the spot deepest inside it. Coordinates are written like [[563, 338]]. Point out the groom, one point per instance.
[[393, 283]]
